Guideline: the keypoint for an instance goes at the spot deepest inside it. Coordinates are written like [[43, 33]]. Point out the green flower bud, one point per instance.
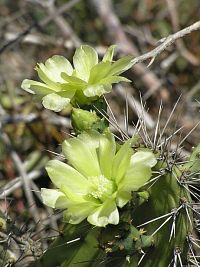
[[83, 120]]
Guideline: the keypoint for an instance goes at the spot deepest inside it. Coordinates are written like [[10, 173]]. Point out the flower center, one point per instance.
[[101, 187]]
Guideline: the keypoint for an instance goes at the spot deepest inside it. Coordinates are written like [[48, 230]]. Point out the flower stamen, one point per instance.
[[101, 187]]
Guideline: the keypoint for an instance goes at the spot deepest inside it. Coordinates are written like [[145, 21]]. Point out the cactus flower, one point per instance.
[[89, 79], [99, 179]]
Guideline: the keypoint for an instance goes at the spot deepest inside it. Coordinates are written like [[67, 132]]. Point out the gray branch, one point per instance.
[[166, 42]]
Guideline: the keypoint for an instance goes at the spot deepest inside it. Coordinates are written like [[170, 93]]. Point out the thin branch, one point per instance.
[[165, 43]]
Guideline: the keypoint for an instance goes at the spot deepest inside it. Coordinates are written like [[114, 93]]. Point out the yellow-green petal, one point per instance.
[[84, 59], [135, 178], [81, 156], [78, 212], [114, 79], [109, 53], [51, 196], [35, 87], [55, 65], [121, 65], [91, 138], [73, 80], [55, 102], [107, 213], [62, 174], [138, 172], [46, 79], [123, 198], [73, 197], [121, 161], [106, 153], [98, 72], [97, 90], [144, 157]]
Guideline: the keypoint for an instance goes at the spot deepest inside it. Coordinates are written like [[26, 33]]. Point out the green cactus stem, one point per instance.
[[75, 245]]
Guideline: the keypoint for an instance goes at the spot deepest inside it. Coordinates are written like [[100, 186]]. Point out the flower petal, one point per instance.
[[81, 156], [122, 161], [98, 72], [62, 174], [73, 80], [106, 152], [72, 86], [55, 102], [144, 157], [109, 53], [51, 196], [72, 196], [135, 178], [77, 213], [121, 65], [91, 138], [54, 66], [84, 59], [42, 73], [107, 213], [97, 90], [34, 87], [122, 198], [114, 79]]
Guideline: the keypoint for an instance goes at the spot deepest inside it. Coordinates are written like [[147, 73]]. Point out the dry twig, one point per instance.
[[165, 43]]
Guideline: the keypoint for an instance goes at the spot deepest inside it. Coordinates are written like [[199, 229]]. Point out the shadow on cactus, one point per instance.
[[128, 203]]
